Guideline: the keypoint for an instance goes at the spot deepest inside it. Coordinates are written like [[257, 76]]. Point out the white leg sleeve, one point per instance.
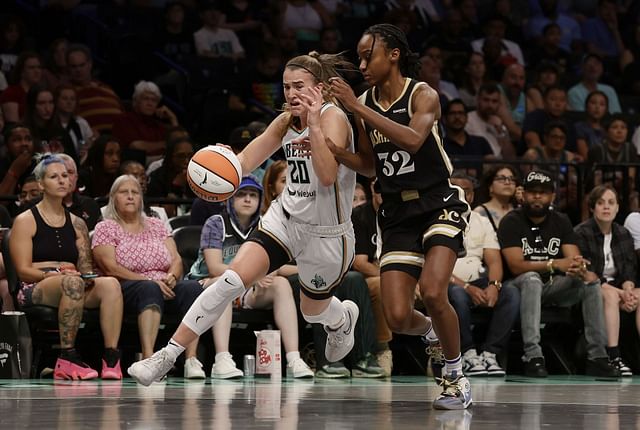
[[209, 305]]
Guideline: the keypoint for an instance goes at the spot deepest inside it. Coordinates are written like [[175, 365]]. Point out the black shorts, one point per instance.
[[414, 221]]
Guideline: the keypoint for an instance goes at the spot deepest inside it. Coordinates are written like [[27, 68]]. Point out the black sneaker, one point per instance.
[[601, 367], [535, 368]]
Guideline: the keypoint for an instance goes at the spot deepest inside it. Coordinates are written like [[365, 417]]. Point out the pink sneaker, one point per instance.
[[111, 372], [66, 369]]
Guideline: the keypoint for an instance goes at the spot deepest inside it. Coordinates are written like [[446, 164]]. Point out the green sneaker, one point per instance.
[[333, 371], [368, 367]]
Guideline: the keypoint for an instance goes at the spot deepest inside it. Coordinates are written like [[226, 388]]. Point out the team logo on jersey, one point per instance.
[[448, 215], [318, 281]]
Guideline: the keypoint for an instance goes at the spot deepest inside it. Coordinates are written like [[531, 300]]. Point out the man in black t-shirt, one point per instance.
[[540, 249]]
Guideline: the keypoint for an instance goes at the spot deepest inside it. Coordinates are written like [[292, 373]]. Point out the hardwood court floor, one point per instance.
[[560, 402]]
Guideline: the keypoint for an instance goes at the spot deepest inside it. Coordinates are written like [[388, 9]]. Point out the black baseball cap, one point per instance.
[[539, 179]]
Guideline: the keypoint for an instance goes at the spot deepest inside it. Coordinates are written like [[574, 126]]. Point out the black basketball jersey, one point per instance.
[[397, 169]]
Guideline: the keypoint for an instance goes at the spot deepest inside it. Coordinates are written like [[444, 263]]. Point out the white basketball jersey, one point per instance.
[[304, 198]]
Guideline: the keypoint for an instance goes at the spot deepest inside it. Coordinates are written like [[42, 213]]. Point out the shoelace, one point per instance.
[[158, 359], [435, 352], [450, 388], [334, 338]]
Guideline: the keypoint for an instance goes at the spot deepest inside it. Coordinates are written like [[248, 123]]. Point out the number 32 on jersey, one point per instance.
[[398, 163]]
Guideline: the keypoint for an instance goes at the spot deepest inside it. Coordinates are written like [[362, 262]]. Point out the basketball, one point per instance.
[[214, 173]]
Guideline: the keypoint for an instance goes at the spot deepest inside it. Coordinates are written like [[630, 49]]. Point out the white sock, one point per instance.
[[174, 349], [430, 334], [293, 355], [453, 368], [209, 305], [332, 317], [221, 355]]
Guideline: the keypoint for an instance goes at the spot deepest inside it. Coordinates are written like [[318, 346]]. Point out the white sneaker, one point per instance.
[[225, 368], [151, 369], [491, 364], [299, 369], [456, 393], [193, 369], [472, 364], [340, 341]]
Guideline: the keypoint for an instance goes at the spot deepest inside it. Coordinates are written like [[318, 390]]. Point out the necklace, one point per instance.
[[54, 224]]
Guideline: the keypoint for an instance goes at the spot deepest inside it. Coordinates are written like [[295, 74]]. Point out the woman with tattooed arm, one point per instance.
[[51, 251]]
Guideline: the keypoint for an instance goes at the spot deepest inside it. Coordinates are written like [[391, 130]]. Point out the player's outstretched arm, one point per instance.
[[263, 146]]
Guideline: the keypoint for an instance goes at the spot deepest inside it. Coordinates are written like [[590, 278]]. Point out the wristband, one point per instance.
[[466, 285]]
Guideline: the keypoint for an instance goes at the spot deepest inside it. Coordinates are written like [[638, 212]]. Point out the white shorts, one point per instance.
[[323, 254]]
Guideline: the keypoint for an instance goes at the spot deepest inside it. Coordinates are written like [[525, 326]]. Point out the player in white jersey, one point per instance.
[[310, 223]]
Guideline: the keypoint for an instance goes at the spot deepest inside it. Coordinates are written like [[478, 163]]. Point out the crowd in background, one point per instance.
[[136, 87]]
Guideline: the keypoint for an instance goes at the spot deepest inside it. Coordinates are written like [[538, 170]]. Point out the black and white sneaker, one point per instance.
[[622, 368]]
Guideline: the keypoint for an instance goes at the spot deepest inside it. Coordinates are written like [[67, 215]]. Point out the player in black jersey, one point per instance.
[[423, 216]]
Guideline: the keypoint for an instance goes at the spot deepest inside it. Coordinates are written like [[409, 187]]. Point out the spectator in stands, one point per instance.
[[29, 193], [430, 72], [140, 252], [630, 65], [550, 14], [553, 157], [247, 21], [609, 248], [540, 249], [50, 248], [18, 164], [551, 51], [365, 226], [221, 238], [175, 40], [12, 41], [546, 76], [77, 128], [513, 108], [27, 72], [170, 180], [101, 167], [274, 181], [474, 76], [467, 150], [601, 33], [495, 27], [614, 149], [262, 87], [452, 36], [477, 283], [359, 195], [135, 169], [555, 108], [97, 102], [56, 72], [590, 132], [144, 128], [48, 135], [498, 193], [330, 41], [306, 19], [484, 121], [211, 40], [81, 206], [592, 69]]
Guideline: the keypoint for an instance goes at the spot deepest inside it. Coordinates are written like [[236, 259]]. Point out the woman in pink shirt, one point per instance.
[[140, 252]]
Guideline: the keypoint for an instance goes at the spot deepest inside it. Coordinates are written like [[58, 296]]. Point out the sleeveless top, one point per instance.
[[304, 198], [397, 169], [54, 243]]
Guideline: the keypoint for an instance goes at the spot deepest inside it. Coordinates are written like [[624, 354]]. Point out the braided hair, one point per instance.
[[395, 38]]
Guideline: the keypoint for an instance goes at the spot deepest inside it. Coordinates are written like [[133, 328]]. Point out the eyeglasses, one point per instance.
[[505, 179]]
